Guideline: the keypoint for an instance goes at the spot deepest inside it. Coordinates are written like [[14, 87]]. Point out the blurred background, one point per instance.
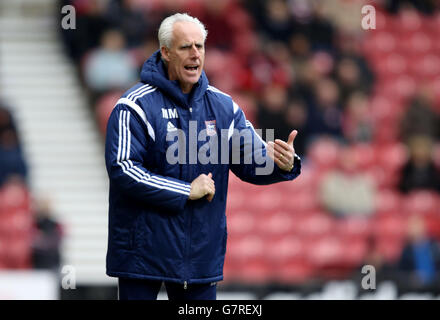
[[366, 104]]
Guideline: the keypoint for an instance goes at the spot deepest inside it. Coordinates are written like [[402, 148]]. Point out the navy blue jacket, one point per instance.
[[155, 232]]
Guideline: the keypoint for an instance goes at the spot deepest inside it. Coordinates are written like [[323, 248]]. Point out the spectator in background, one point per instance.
[[346, 191], [320, 30], [299, 46], [127, 16], [12, 162], [110, 67], [423, 6], [352, 69], [420, 171], [296, 117], [348, 76], [325, 115], [307, 77], [216, 15], [357, 122], [277, 23], [420, 118], [419, 262], [90, 25], [6, 121], [269, 64], [47, 239], [271, 111], [374, 257]]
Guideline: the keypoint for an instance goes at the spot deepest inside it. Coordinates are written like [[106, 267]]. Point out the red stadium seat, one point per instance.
[[277, 224], [104, 107], [324, 153], [18, 253], [255, 271], [235, 200], [16, 223], [241, 223], [389, 247], [392, 156], [354, 228], [422, 202], [390, 226], [14, 196], [301, 202], [326, 254], [378, 43], [384, 179], [391, 65], [383, 108], [364, 154], [293, 271], [316, 224], [354, 252], [265, 199], [306, 181], [245, 248], [388, 200], [424, 66], [432, 222], [280, 250]]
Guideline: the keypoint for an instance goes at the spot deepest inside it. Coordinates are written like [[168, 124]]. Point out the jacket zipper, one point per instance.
[[188, 226]]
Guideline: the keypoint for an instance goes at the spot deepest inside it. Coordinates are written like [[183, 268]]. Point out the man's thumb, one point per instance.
[[292, 136], [210, 175]]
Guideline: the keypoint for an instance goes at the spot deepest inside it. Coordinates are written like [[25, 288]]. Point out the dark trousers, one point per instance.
[[137, 289]]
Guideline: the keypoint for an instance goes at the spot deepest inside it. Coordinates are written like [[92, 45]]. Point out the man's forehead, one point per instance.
[[187, 31]]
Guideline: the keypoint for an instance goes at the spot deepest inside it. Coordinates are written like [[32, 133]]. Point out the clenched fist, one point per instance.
[[201, 186]]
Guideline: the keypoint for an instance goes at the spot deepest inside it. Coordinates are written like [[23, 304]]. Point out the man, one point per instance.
[[167, 219]]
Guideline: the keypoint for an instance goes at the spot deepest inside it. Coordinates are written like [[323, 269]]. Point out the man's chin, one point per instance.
[[192, 80]]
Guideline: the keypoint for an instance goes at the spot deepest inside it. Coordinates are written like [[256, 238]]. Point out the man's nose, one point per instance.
[[195, 53]]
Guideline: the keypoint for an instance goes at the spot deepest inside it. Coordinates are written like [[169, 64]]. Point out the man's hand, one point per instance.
[[282, 153], [201, 186]]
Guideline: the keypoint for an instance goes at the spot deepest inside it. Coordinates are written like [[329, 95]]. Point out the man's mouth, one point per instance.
[[192, 67]]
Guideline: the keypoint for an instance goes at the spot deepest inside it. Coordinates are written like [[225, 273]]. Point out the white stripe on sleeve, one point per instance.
[[123, 160]]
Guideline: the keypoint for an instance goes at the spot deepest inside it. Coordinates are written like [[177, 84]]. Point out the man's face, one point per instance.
[[186, 56]]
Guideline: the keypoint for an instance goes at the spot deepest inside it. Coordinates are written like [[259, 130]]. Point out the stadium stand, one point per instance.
[[283, 232], [351, 90]]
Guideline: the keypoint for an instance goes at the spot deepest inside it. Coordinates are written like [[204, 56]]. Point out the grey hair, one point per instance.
[[165, 33]]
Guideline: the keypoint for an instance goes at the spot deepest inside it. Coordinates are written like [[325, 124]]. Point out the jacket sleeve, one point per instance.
[[125, 150], [254, 164]]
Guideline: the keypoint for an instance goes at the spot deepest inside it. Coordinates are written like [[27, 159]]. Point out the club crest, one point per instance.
[[211, 128]]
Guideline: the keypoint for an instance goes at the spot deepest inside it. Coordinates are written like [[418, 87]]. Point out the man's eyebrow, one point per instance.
[[186, 45]]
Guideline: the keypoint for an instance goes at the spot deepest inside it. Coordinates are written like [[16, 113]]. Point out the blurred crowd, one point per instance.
[[367, 134], [287, 64], [29, 235], [366, 105]]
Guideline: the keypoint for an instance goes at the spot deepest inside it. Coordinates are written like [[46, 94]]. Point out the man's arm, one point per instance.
[[256, 154], [126, 149]]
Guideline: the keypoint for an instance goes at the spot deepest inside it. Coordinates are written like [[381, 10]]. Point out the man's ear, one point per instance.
[[165, 52]]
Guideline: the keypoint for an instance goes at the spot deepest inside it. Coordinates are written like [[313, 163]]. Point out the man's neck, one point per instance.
[[186, 88]]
